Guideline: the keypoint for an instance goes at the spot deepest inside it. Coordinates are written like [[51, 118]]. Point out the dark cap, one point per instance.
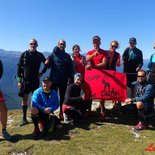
[[133, 40], [47, 78], [96, 38]]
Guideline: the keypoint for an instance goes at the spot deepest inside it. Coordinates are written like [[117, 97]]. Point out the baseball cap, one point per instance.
[[47, 78], [77, 75], [133, 40], [96, 38]]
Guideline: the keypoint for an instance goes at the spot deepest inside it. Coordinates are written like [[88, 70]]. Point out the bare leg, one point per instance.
[[102, 115], [102, 105], [3, 110], [25, 99]]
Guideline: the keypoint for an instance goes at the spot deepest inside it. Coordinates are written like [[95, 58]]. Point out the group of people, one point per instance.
[[67, 77]]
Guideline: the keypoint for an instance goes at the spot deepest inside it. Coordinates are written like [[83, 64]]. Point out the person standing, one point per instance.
[[144, 101], [3, 110], [28, 74], [151, 67], [61, 71], [113, 62], [132, 60], [113, 56], [98, 60], [79, 61]]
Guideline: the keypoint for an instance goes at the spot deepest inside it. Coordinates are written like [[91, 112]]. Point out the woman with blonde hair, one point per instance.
[[113, 56], [114, 61]]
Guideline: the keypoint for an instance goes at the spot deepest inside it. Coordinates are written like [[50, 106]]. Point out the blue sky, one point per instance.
[[76, 21]]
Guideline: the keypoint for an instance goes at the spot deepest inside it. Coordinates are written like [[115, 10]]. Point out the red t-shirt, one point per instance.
[[98, 59], [79, 66]]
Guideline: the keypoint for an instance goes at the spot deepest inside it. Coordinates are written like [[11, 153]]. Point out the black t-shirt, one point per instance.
[[72, 96], [29, 64]]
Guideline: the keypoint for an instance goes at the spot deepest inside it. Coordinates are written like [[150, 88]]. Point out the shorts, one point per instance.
[[29, 86], [2, 99], [45, 118]]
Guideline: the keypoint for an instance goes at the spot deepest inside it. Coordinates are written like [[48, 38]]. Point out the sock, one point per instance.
[[35, 120], [24, 108], [3, 130]]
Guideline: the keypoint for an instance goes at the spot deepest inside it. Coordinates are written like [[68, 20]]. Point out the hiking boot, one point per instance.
[[36, 132], [139, 126], [6, 135], [102, 116], [23, 122]]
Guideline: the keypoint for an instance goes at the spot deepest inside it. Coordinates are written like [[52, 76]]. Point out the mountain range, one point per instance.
[[8, 83]]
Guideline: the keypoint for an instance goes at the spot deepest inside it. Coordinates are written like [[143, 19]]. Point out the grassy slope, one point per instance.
[[93, 137]]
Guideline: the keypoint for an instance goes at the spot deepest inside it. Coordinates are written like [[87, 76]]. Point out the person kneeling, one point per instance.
[[73, 104], [44, 103], [144, 101]]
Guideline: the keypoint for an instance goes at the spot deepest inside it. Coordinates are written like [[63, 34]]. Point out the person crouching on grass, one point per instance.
[[144, 101], [44, 103], [73, 106]]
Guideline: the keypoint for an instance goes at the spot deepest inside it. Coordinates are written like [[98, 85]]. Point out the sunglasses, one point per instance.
[[140, 76], [132, 43], [96, 42], [114, 47], [33, 44]]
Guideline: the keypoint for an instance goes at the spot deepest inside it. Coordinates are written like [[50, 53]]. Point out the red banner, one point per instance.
[[106, 84]]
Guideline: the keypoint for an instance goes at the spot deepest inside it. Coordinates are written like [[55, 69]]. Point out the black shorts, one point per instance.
[[30, 86], [45, 118]]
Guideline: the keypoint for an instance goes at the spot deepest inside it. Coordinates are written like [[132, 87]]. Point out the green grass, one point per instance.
[[112, 137]]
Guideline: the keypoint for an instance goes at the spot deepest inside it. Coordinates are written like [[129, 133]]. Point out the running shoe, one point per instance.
[[6, 135]]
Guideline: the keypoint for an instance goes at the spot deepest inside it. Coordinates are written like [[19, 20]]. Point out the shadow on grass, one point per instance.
[[128, 118], [113, 117], [57, 134], [121, 118]]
